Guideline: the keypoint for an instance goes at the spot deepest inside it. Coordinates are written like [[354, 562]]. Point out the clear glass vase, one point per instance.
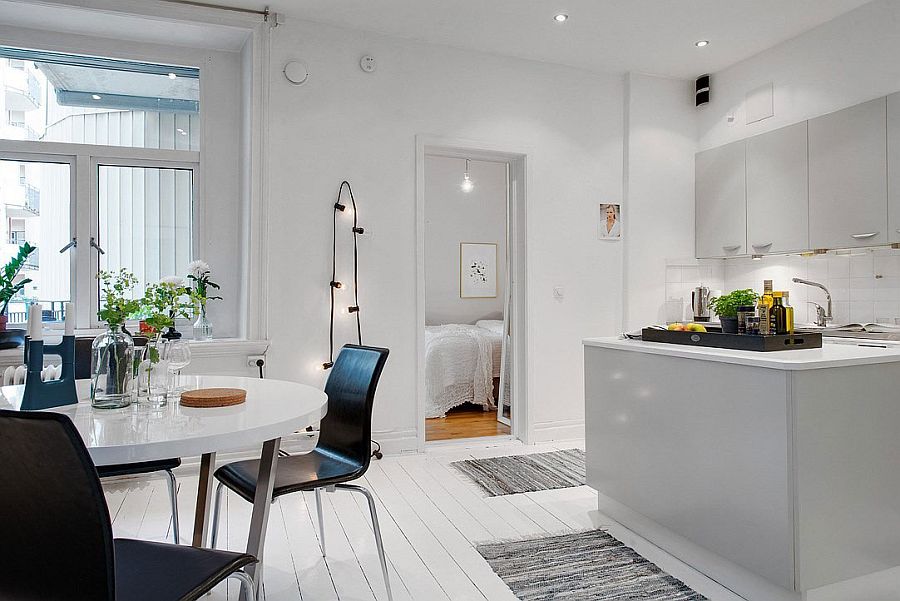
[[153, 374], [203, 327], [112, 369]]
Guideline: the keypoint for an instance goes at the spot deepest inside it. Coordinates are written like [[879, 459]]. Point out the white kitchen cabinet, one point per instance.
[[721, 201], [893, 166], [778, 191], [848, 177]]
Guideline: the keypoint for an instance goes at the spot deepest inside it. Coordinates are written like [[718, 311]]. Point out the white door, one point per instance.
[[721, 201], [847, 177], [778, 191]]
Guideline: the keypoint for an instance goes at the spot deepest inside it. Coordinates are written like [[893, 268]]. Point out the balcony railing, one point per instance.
[[32, 199], [17, 237]]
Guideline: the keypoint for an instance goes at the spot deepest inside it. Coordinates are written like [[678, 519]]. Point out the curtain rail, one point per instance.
[[265, 14]]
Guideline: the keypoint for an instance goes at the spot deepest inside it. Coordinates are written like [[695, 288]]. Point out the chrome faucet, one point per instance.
[[822, 316]]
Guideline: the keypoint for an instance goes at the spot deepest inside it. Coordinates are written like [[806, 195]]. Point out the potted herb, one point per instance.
[[199, 274], [163, 303], [9, 287], [112, 353], [726, 307]]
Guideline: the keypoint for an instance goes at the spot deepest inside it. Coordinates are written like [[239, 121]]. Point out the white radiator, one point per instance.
[[16, 375]]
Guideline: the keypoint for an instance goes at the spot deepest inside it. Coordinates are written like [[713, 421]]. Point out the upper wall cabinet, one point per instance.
[[778, 191], [847, 183], [721, 201], [893, 166]]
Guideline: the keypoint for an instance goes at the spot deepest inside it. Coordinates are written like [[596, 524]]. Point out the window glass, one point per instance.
[[145, 220], [58, 97], [34, 202]]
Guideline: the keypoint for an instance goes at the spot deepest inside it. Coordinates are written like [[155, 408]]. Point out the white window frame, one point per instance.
[[84, 161]]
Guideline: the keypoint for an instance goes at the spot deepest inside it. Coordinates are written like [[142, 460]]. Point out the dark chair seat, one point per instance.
[[317, 469], [148, 571], [142, 467]]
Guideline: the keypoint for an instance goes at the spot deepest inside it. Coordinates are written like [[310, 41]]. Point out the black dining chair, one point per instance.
[[342, 453], [165, 466], [57, 541]]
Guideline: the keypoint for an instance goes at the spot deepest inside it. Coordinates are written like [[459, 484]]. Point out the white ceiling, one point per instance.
[[649, 36]]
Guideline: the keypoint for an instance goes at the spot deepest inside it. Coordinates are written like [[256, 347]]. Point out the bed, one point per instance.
[[461, 363]]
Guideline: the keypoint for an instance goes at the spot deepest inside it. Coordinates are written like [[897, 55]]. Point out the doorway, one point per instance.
[[471, 310]]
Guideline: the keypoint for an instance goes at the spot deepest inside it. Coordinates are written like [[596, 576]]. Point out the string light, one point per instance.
[[335, 284]]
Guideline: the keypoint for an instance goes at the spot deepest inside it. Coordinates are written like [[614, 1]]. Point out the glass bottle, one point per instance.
[[764, 306], [112, 369], [788, 311], [779, 315], [203, 327]]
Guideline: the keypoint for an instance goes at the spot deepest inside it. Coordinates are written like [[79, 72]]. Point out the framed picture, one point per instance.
[[610, 226], [477, 270]]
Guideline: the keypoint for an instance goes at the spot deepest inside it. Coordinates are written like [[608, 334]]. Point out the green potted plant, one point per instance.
[[726, 307], [163, 303], [9, 286]]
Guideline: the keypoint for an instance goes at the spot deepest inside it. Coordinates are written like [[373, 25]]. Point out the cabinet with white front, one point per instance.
[[721, 201], [893, 166], [778, 191], [847, 177]]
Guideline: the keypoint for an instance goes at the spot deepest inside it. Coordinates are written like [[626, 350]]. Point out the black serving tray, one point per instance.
[[741, 342]]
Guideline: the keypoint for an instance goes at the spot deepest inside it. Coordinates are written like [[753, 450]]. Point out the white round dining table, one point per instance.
[[273, 409]]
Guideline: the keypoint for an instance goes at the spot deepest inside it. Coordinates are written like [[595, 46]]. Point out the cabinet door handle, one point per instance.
[[731, 248], [762, 246], [864, 236]]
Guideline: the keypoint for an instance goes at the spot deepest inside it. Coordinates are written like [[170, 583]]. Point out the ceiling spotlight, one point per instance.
[[701, 43], [467, 184], [561, 18], [172, 76], [95, 96]]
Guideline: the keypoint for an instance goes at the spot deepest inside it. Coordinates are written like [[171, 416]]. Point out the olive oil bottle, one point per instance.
[[779, 314], [788, 311]]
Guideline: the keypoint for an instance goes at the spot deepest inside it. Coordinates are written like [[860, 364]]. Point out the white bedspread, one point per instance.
[[458, 368]]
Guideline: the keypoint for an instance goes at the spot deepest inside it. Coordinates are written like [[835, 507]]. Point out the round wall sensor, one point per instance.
[[367, 63], [296, 73]]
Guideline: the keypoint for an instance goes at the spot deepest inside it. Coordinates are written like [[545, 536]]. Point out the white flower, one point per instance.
[[173, 280], [198, 268]]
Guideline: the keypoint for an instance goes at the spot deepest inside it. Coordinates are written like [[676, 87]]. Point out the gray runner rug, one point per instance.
[[583, 566], [525, 473]]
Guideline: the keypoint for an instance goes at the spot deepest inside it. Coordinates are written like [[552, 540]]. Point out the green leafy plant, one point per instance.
[[115, 289], [727, 304], [9, 287], [162, 304]]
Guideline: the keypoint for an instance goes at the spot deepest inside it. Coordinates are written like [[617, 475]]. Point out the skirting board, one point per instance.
[[733, 577], [572, 429]]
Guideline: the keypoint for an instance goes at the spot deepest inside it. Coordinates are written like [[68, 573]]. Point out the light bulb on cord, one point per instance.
[[467, 184]]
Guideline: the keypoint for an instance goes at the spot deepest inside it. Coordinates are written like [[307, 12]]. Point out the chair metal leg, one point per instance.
[[173, 499], [319, 510], [378, 543], [217, 510], [246, 584]]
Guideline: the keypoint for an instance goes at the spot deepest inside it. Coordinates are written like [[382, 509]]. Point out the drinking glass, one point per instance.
[[179, 357]]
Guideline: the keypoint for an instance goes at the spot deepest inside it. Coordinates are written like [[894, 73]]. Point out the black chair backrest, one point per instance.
[[346, 430], [56, 541]]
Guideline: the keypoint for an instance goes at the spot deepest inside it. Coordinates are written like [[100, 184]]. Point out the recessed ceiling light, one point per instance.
[[95, 96], [561, 18], [701, 43], [172, 76]]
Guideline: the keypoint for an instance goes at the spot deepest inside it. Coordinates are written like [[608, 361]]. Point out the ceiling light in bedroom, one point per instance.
[[467, 184], [561, 18], [701, 43]]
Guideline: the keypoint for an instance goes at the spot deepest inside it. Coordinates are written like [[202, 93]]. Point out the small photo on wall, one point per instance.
[[610, 221], [477, 270]]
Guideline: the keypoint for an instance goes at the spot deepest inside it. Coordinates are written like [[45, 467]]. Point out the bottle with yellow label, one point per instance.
[[788, 311], [764, 308]]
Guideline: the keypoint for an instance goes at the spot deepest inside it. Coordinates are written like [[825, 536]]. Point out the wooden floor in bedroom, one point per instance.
[[465, 421], [431, 518]]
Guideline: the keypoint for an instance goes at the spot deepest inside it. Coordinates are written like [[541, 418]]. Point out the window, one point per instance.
[[104, 176]]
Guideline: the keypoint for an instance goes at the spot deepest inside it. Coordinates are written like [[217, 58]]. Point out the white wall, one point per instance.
[[846, 61], [659, 210], [451, 217], [347, 124]]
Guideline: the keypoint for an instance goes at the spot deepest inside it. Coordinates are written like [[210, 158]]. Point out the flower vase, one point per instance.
[[153, 374], [112, 371], [203, 327]]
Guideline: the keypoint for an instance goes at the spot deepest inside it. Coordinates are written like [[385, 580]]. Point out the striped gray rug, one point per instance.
[[584, 566], [525, 473]]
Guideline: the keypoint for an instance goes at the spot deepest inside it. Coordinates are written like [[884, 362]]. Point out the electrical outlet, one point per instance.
[[252, 359]]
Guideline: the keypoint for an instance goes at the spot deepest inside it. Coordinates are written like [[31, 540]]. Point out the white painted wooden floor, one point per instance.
[[431, 518]]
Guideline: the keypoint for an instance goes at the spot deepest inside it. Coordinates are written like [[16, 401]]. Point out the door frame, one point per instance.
[[519, 161]]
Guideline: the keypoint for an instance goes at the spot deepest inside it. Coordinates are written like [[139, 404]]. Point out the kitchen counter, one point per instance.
[[832, 354], [773, 473]]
